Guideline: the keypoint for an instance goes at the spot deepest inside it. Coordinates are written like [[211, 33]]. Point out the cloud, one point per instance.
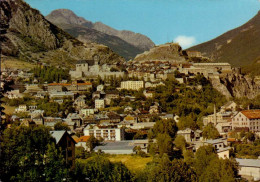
[[185, 41]]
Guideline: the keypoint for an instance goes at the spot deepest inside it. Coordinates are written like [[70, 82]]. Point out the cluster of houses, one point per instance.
[[114, 128]]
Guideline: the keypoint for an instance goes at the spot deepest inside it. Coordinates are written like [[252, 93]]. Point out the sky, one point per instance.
[[188, 22]]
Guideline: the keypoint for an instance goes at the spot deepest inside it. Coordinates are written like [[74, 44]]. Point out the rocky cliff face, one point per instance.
[[165, 52], [236, 85], [126, 43], [26, 34]]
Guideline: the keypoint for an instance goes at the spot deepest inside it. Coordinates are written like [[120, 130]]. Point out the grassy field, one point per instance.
[[8, 109], [15, 63], [134, 163]]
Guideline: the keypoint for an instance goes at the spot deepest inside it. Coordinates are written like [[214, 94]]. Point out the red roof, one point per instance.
[[251, 114], [82, 139]]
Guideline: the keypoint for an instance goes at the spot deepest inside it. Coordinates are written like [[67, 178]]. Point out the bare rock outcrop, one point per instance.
[[236, 85]]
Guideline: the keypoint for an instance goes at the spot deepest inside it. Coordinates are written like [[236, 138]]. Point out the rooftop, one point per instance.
[[251, 114], [249, 162]]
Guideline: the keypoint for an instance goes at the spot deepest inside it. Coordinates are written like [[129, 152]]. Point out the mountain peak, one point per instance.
[[126, 43], [66, 16]]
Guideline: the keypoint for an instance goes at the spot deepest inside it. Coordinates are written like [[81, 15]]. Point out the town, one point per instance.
[[116, 107], [129, 91]]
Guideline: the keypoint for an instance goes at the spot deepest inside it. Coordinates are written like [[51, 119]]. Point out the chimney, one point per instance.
[[215, 115]]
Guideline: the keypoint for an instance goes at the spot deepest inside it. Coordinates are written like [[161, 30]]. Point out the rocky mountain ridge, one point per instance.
[[126, 43], [27, 35]]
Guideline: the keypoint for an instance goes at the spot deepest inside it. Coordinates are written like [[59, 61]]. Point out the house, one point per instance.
[[132, 85], [67, 144], [41, 94], [73, 120], [100, 88], [154, 109], [99, 103], [51, 121], [229, 106], [14, 94], [148, 94], [82, 142], [111, 95], [108, 133], [220, 146], [21, 108], [248, 120], [249, 168], [190, 135], [80, 102], [87, 111]]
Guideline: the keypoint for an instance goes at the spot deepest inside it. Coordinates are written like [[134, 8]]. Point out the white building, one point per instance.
[[247, 119], [249, 168], [99, 103], [21, 108], [132, 85], [107, 133], [87, 112]]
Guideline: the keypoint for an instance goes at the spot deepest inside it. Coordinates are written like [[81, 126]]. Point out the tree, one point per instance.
[[203, 157], [165, 126], [99, 168], [92, 143], [210, 132], [61, 126], [165, 145], [164, 170], [187, 122], [23, 154], [250, 136], [54, 168], [220, 170], [180, 142]]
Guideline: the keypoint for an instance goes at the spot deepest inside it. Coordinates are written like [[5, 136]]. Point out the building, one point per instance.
[[92, 69], [62, 95], [220, 146], [99, 103], [108, 133], [190, 135], [249, 168], [59, 87], [82, 142], [248, 120], [87, 112], [111, 95], [132, 85], [14, 94], [119, 147], [122, 147], [21, 108], [67, 145]]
